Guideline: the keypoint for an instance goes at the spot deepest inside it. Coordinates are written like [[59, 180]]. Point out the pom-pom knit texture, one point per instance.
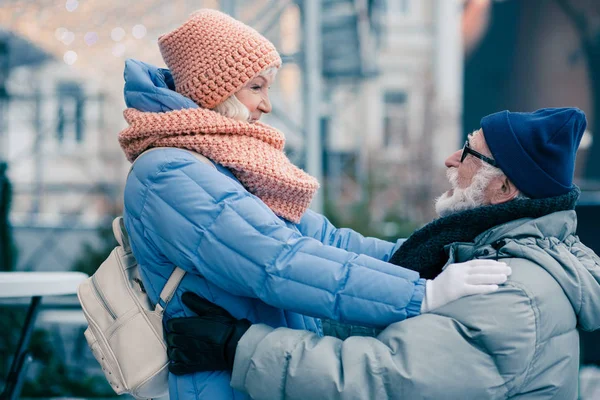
[[212, 56], [252, 151]]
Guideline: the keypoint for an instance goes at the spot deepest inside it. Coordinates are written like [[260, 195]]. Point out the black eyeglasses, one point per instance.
[[468, 150]]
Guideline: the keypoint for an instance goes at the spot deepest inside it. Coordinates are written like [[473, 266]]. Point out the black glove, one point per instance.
[[206, 342]]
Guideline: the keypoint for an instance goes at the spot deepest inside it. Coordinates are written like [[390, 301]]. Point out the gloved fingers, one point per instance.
[[191, 357], [491, 269], [486, 279], [480, 262], [202, 306], [191, 343], [186, 361], [200, 328], [179, 325], [480, 289]]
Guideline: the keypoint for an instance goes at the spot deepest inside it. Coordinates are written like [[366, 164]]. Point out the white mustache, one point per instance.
[[452, 175], [461, 198]]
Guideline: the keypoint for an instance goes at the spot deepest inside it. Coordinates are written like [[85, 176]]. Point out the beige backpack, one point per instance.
[[125, 330]]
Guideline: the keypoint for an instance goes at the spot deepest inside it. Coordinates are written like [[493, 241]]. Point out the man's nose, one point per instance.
[[454, 159]]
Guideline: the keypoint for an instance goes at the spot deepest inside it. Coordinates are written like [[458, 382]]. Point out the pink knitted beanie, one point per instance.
[[213, 55]]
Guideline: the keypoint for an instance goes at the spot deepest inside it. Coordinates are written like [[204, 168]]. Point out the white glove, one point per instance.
[[464, 279]]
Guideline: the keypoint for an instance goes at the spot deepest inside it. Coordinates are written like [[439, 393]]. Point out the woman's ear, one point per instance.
[[503, 190]]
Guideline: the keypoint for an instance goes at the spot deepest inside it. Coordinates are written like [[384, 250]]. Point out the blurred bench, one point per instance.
[[34, 285]]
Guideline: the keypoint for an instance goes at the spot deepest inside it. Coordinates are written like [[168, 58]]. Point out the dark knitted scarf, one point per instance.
[[424, 250]]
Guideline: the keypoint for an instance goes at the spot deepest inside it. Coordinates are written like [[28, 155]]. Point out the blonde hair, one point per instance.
[[233, 108]]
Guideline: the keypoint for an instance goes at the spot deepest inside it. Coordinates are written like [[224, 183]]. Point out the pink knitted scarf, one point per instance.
[[253, 152]]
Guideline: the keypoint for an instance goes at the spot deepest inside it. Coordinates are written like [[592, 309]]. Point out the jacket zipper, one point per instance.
[[497, 245], [102, 298]]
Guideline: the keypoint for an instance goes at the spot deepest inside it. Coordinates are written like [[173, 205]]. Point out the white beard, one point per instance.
[[462, 199]]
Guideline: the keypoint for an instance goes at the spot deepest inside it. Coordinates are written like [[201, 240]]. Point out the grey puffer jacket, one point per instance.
[[519, 342]]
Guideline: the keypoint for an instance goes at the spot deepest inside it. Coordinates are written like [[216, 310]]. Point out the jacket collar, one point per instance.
[[498, 241], [424, 251], [151, 89]]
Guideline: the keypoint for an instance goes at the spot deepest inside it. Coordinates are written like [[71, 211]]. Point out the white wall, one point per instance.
[[420, 57]]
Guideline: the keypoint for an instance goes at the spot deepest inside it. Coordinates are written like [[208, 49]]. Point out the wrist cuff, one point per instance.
[[244, 352], [426, 304]]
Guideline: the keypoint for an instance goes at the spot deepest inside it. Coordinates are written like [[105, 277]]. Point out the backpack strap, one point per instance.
[[121, 235], [169, 289], [176, 276]]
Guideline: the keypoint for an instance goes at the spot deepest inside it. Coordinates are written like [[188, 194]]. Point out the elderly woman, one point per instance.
[[242, 229]]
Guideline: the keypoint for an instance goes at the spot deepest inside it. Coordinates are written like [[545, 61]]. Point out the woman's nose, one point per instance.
[[454, 159], [265, 105]]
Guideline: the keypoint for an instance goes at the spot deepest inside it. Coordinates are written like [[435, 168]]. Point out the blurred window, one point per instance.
[[399, 6], [396, 120], [70, 124]]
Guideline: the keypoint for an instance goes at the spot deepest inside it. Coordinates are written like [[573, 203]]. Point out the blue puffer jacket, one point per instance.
[[240, 255]]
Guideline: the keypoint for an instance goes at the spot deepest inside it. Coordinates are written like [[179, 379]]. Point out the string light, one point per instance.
[[68, 38], [90, 38], [138, 31], [71, 5], [70, 57]]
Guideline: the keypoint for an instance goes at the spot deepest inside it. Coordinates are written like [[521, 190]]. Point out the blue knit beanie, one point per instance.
[[536, 150]]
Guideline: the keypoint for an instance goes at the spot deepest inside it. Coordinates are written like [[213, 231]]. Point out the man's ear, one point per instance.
[[502, 190]]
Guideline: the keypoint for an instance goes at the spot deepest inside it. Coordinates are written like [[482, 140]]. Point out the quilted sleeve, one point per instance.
[[318, 227], [427, 357], [205, 223]]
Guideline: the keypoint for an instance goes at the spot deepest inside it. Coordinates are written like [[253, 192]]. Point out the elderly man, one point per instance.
[[512, 198]]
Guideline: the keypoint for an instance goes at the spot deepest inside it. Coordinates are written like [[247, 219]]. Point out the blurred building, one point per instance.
[[390, 90], [65, 174], [549, 49], [529, 55], [404, 119], [61, 116]]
